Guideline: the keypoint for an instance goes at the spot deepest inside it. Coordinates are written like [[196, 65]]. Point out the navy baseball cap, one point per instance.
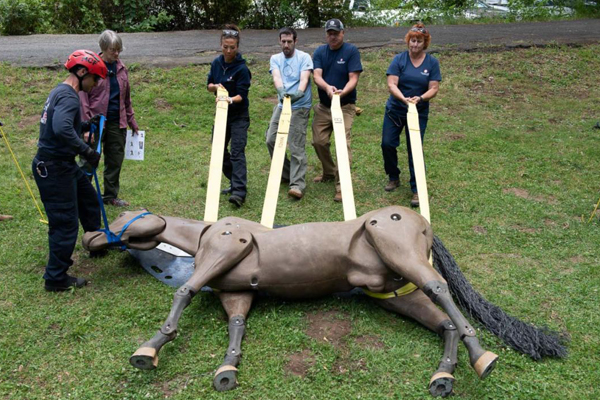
[[334, 24]]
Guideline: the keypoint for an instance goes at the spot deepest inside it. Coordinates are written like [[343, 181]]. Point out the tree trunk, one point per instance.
[[312, 12]]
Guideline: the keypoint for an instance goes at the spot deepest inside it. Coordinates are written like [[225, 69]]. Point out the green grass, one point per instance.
[[513, 163]]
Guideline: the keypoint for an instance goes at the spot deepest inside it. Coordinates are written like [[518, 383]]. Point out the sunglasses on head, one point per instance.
[[420, 30], [230, 32]]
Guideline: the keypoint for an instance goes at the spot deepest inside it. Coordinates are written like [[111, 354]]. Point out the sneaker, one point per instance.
[[5, 217], [414, 202], [391, 186], [62, 286], [116, 202], [323, 178], [226, 190], [338, 197], [237, 200], [296, 193]]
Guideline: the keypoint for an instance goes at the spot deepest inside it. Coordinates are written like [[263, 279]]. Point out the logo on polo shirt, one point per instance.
[[425, 72], [341, 61]]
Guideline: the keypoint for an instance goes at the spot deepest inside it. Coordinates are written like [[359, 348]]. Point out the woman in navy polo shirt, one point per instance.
[[413, 77]]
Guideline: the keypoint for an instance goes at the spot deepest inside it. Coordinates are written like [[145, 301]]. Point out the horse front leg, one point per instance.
[[237, 306], [420, 308], [481, 360], [220, 252]]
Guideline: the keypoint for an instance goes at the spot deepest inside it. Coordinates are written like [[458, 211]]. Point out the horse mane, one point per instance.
[[536, 342]]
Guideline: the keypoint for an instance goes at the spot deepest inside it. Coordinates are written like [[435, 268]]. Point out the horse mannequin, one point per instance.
[[383, 251]]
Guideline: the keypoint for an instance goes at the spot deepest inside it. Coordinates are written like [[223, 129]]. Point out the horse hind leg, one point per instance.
[[221, 251], [420, 308], [237, 306]]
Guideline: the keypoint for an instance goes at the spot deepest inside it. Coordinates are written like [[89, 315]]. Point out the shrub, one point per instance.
[[20, 17]]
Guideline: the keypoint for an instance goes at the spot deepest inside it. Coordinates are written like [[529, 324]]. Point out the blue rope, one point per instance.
[[112, 238]]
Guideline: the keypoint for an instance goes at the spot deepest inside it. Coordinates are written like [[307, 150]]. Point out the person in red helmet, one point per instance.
[[67, 194]]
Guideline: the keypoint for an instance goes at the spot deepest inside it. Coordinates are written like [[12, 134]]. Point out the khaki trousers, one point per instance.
[[322, 128]]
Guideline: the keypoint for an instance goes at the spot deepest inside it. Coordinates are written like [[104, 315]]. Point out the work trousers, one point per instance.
[[294, 169], [394, 123], [113, 152], [234, 159], [68, 197], [322, 128]]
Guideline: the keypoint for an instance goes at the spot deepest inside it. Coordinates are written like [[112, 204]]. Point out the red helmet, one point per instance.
[[88, 59]]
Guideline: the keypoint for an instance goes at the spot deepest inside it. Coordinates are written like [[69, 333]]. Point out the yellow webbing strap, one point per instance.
[[403, 291], [43, 219]]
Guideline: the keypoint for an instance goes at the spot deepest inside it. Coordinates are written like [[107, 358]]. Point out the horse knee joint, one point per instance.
[[437, 291]]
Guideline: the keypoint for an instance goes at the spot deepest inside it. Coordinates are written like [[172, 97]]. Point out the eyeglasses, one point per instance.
[[113, 50], [420, 30], [230, 32]]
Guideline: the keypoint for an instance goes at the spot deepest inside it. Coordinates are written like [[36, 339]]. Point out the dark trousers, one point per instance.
[[68, 197], [393, 124], [113, 151], [234, 159]]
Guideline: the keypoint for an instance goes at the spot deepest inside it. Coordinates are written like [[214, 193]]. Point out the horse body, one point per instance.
[[381, 251]]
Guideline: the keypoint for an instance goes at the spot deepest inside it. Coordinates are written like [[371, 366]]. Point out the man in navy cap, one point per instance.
[[337, 68]]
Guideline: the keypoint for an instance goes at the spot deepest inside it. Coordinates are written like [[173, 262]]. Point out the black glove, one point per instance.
[[92, 157], [297, 96], [87, 125]]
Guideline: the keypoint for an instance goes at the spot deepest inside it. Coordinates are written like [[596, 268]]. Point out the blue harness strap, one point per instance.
[[112, 238]]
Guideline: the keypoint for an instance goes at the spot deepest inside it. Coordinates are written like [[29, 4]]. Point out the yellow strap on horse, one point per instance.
[[272, 194], [343, 159], [213, 188], [403, 291], [42, 220]]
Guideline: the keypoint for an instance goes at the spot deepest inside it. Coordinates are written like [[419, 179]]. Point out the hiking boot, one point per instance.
[[323, 178], [338, 197], [117, 202], [391, 186], [237, 200], [62, 286], [414, 202], [296, 193], [227, 190], [5, 217]]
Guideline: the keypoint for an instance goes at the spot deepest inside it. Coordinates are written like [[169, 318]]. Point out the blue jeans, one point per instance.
[[393, 123], [69, 198]]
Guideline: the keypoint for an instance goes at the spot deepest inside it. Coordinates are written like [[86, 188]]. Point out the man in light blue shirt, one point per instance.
[[291, 71]]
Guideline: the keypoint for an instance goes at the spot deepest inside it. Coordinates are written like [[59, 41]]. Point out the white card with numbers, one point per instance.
[[134, 146]]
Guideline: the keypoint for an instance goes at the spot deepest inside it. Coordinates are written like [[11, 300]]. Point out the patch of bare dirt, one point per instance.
[[28, 121], [576, 259], [299, 363], [162, 104], [524, 194], [480, 230], [548, 222], [273, 100], [328, 326], [456, 136], [370, 341]]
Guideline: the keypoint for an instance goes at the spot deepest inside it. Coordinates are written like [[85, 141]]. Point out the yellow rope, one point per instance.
[[594, 212], [42, 220], [403, 291]]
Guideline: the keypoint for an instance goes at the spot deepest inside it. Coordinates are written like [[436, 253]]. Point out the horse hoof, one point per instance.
[[225, 378], [441, 384], [144, 358], [485, 364]]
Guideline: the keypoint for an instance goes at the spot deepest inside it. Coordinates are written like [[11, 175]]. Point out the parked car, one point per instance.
[[482, 9]]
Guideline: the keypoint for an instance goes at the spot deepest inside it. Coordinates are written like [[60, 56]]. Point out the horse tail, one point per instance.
[[526, 338]]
